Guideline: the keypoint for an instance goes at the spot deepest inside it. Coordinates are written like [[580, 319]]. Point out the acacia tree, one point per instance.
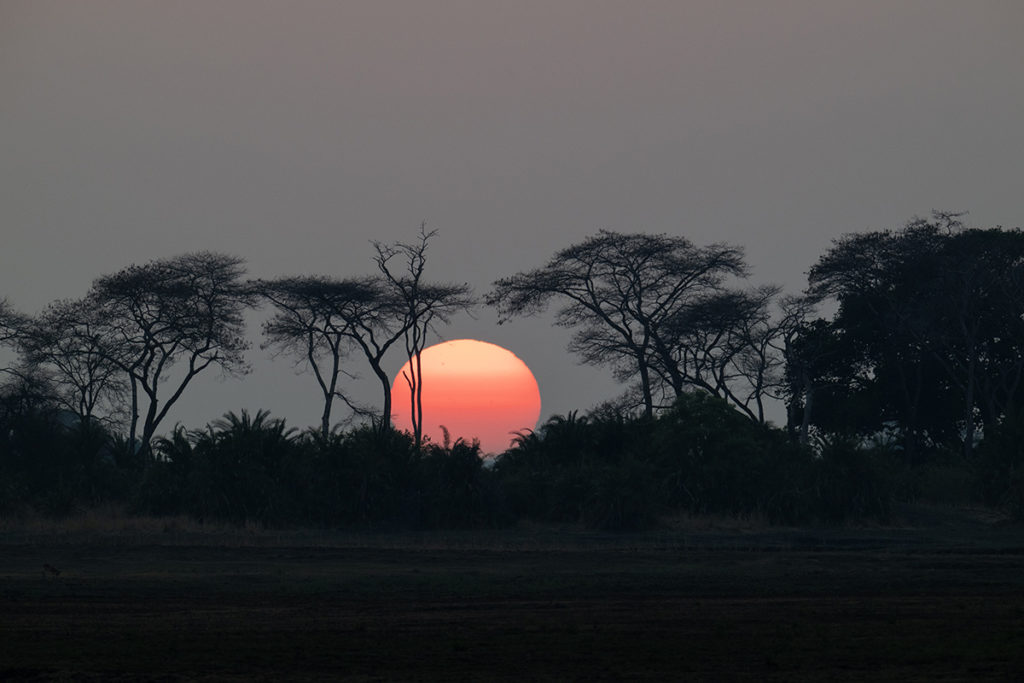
[[67, 342], [625, 295], [12, 326], [168, 320], [25, 388], [315, 320], [729, 344], [767, 340], [415, 306], [317, 317], [795, 361], [10, 322]]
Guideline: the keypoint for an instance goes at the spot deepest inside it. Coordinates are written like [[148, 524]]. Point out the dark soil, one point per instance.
[[943, 601]]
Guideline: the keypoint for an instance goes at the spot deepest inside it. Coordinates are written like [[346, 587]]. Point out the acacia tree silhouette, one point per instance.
[[67, 343], [10, 322], [627, 296], [316, 320], [316, 317], [185, 310]]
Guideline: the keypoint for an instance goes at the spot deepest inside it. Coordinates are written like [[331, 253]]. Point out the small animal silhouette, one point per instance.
[[51, 570]]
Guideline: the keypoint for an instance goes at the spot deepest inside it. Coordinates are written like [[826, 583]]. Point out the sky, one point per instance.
[[295, 133]]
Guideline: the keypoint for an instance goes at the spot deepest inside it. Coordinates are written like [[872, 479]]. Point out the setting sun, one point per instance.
[[474, 389]]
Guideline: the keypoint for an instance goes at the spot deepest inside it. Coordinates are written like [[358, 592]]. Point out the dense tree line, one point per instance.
[[911, 389], [609, 472]]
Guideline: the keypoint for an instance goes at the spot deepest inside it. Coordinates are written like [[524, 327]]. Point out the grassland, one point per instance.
[[939, 595]]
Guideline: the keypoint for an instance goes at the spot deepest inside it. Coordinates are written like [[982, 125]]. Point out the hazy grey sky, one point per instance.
[[292, 133]]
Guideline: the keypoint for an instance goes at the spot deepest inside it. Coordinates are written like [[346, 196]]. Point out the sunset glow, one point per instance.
[[475, 389]]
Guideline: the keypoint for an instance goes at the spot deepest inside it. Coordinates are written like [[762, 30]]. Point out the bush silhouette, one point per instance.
[[55, 462], [1000, 465], [853, 482]]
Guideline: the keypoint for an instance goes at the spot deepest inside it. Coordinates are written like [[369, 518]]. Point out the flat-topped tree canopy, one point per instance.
[[619, 292], [184, 313], [316, 319]]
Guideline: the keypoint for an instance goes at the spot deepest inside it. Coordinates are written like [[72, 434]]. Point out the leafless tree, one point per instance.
[[418, 305]]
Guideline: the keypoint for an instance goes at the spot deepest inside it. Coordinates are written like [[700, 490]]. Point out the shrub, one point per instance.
[[622, 497], [1000, 465], [455, 490], [853, 482], [712, 459]]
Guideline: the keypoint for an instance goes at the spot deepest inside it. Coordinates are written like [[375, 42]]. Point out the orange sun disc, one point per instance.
[[474, 389]]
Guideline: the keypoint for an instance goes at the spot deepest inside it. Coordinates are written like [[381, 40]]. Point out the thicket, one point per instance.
[[611, 472]]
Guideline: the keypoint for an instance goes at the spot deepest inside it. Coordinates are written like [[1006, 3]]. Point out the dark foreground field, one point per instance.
[[938, 599]]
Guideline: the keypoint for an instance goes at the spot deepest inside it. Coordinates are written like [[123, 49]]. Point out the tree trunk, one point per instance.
[[149, 426], [329, 391], [325, 419], [133, 430], [385, 418], [418, 399], [969, 406], [645, 387], [411, 382], [805, 423]]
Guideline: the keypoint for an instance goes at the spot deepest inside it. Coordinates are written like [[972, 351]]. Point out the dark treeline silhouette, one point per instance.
[[909, 391], [609, 472]]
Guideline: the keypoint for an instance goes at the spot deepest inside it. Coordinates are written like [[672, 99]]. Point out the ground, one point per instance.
[[937, 596]]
